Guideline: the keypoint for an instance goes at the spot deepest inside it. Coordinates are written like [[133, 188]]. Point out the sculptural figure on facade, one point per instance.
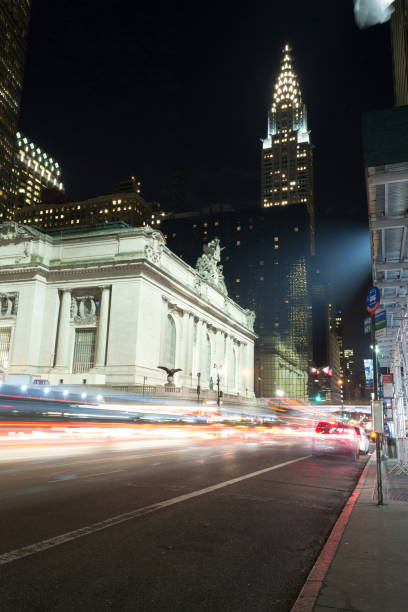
[[208, 265]]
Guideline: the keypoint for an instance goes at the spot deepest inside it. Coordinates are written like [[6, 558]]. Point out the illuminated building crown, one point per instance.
[[287, 90]]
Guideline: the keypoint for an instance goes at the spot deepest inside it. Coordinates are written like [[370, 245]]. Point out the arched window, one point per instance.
[[207, 358], [170, 355]]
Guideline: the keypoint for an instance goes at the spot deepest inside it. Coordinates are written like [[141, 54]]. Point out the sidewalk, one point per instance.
[[369, 571]]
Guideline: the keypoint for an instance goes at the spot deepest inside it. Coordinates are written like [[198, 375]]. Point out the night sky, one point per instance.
[[114, 88]]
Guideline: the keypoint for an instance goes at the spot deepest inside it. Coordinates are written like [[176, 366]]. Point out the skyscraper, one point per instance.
[[399, 42], [14, 20], [287, 162], [33, 171]]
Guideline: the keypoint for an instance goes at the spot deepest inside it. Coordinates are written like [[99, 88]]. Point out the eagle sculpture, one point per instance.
[[170, 373]]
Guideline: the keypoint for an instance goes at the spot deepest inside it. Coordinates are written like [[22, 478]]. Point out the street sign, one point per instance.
[[380, 320], [373, 300], [378, 417], [367, 325]]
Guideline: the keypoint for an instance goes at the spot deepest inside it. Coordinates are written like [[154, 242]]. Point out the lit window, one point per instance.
[[216, 223], [261, 263], [237, 280], [194, 225], [174, 235], [276, 239], [251, 227], [295, 229], [238, 228], [205, 224], [238, 243], [261, 278]]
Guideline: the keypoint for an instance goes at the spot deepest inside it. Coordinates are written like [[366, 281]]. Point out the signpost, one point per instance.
[[372, 304]]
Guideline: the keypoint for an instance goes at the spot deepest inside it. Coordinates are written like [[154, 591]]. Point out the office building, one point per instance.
[[129, 207], [266, 263], [399, 44], [14, 21], [336, 326], [33, 172]]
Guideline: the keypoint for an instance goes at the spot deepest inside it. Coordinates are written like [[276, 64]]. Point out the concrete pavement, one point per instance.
[[368, 570]]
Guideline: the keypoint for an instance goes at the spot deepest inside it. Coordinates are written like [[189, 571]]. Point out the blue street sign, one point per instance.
[[373, 300]]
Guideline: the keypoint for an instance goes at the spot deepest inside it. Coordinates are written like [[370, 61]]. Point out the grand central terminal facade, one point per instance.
[[110, 305]]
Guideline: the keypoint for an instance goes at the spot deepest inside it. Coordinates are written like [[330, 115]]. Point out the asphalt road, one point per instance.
[[246, 545]]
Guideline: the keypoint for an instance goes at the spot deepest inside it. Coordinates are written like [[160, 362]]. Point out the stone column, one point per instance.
[[61, 361], [102, 328], [228, 365], [163, 326], [199, 349], [238, 350], [189, 350]]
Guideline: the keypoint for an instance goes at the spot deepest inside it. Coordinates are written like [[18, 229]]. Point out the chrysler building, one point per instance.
[[287, 175]]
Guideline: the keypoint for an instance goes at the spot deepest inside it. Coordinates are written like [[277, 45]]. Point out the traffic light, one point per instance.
[[345, 415], [318, 398]]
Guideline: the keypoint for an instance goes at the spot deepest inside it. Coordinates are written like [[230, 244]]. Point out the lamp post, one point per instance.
[[218, 370], [198, 386], [260, 386], [144, 382]]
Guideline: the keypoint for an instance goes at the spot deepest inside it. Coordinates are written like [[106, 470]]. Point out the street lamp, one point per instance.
[[198, 386], [219, 371], [260, 386]]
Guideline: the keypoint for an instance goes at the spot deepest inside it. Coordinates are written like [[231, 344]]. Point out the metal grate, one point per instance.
[[84, 350], [5, 335]]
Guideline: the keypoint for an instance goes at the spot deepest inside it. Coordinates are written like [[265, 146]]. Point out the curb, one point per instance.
[[310, 590]]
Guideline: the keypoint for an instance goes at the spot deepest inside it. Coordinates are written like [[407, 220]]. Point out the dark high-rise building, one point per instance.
[[399, 41], [14, 20], [266, 261]]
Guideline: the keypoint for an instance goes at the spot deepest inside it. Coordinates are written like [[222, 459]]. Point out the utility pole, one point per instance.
[[372, 303]]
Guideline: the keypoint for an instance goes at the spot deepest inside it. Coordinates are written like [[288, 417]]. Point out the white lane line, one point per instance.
[[62, 479], [26, 551], [127, 457]]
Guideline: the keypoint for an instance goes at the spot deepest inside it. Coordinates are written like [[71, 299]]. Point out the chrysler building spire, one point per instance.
[[286, 150], [287, 90]]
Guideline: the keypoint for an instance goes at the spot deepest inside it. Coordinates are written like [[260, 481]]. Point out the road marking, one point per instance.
[[71, 477], [27, 551]]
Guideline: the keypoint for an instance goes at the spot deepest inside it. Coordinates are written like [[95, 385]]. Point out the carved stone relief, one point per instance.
[[250, 319], [84, 308], [154, 250], [8, 304], [208, 265], [11, 231]]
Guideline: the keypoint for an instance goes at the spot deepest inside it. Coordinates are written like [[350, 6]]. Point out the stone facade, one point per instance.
[[109, 305]]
